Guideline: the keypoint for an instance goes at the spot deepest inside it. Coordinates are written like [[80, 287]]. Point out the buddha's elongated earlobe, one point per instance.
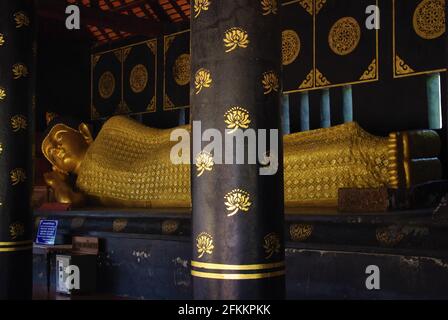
[[84, 129]]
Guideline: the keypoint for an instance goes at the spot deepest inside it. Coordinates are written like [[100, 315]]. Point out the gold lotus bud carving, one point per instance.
[[270, 82], [204, 162], [18, 122], [272, 244], [269, 6], [19, 70], [204, 244], [16, 230], [21, 19], [199, 6], [202, 79], [237, 118]]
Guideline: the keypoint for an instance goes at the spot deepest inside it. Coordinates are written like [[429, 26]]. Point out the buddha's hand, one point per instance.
[[63, 191]]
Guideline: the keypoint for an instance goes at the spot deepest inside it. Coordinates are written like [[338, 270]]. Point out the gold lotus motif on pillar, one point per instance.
[[202, 79], [2, 94], [204, 162], [270, 82], [237, 200], [19, 70], [269, 6], [2, 39], [16, 230], [272, 244], [17, 176], [234, 38], [204, 244], [199, 6], [237, 118], [21, 19], [18, 122]]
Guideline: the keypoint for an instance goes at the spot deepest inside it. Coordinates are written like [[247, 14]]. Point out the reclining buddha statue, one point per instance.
[[128, 164]]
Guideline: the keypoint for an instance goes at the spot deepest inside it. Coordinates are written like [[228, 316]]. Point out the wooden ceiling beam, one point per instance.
[[55, 9]]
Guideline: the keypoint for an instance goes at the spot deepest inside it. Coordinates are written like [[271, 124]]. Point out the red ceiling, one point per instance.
[[143, 9]]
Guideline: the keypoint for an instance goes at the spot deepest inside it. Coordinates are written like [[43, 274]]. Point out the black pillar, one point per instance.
[[238, 246], [16, 132]]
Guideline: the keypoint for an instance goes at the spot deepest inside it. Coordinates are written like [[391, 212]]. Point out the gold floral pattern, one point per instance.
[[204, 162], [300, 232], [234, 38], [170, 226], [19, 70], [429, 19], [19, 122], [21, 19], [106, 85], [370, 73], [204, 244], [269, 7], [1, 148], [401, 67], [2, 39], [237, 118], [237, 200], [16, 230], [181, 69], [139, 78], [344, 36], [17, 176], [199, 6], [272, 244], [2, 94], [119, 225], [390, 236], [290, 46], [270, 82], [203, 79]]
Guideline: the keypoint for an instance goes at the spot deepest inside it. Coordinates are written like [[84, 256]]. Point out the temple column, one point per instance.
[[16, 134], [238, 215]]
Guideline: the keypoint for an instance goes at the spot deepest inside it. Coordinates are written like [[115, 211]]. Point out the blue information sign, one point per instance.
[[46, 234]]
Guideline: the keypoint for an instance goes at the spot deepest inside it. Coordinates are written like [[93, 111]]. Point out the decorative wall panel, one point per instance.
[[419, 27], [176, 89], [326, 44], [124, 80]]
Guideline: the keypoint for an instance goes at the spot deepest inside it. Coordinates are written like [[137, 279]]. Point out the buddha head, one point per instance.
[[66, 144]]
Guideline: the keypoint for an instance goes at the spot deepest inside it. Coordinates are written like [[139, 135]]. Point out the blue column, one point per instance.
[[325, 113], [182, 120], [347, 103], [286, 127], [434, 101], [304, 111]]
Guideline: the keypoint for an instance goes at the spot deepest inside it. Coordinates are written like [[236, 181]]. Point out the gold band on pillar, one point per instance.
[[247, 267], [16, 246], [237, 276]]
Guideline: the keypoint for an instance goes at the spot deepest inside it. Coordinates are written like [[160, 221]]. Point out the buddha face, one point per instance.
[[65, 147]]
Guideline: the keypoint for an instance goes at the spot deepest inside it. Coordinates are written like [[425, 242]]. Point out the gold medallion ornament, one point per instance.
[[237, 200], [199, 6], [389, 236], [300, 232], [269, 7], [271, 245], [21, 19], [2, 94], [170, 226], [270, 82], [106, 86], [290, 46], [429, 19], [237, 118], [202, 80], [119, 225], [344, 36], [234, 38], [204, 162], [17, 176], [18, 122], [181, 69], [2, 39], [139, 78], [16, 230], [204, 244], [19, 70]]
